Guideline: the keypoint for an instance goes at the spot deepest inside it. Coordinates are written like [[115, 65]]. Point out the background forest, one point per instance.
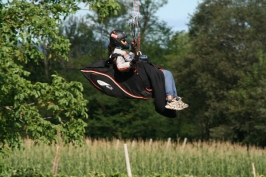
[[219, 68]]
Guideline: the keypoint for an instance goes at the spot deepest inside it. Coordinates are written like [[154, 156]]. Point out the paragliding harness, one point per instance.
[[111, 59]]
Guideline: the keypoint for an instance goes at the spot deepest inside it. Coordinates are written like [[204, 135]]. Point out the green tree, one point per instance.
[[228, 48], [155, 34], [32, 108]]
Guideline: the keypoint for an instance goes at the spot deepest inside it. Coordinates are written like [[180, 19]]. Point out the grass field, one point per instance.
[[201, 159]]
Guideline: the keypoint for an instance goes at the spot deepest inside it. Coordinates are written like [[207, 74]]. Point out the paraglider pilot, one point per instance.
[[124, 61]]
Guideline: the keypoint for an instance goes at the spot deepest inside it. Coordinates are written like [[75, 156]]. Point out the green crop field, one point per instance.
[[147, 158]]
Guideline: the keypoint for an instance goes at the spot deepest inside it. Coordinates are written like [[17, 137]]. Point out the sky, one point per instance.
[[176, 13]]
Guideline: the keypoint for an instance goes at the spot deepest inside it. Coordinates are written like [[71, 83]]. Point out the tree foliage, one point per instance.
[[44, 111], [226, 69]]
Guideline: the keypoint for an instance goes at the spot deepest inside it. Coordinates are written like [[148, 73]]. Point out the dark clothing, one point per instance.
[[157, 82]]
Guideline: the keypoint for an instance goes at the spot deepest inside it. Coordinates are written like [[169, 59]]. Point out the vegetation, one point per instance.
[[219, 68], [225, 71], [147, 158], [49, 110]]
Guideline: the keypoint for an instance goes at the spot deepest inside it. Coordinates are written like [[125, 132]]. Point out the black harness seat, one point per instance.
[[144, 82]]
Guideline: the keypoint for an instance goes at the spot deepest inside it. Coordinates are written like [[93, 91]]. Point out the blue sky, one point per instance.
[[176, 13]]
